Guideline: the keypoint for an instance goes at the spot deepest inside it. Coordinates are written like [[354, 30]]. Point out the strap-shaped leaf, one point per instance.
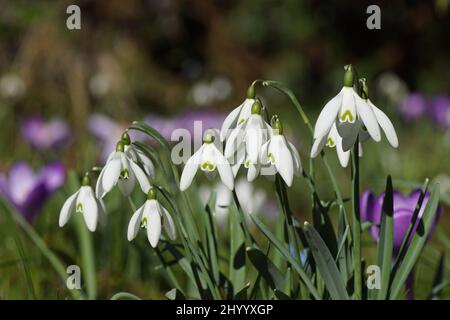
[[417, 243], [266, 268], [325, 264], [287, 256], [386, 243]]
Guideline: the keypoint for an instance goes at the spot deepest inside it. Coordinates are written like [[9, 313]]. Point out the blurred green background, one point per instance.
[[135, 58]]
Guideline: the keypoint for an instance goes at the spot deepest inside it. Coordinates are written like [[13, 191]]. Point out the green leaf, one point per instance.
[[438, 283], [286, 254], [124, 296], [417, 243], [386, 242], [265, 267], [140, 126], [325, 264], [175, 294], [237, 253]]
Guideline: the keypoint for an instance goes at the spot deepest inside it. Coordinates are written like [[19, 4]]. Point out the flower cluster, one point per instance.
[[124, 167], [250, 141]]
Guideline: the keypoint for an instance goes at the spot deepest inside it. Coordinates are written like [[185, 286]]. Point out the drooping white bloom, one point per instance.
[[236, 117], [208, 158], [333, 140], [121, 170], [83, 201], [281, 154], [350, 112], [138, 156], [385, 124], [248, 138], [151, 216]]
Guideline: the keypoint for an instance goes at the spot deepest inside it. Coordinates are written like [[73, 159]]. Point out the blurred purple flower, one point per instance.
[[413, 106], [27, 190], [371, 207], [440, 111], [404, 206], [45, 135]]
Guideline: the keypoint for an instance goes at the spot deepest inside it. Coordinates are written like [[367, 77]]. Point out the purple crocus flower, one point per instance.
[[413, 106], [44, 135], [440, 111], [404, 206], [28, 190]]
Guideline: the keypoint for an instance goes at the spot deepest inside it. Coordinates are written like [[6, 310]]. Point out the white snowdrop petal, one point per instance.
[[253, 171], [237, 160], [235, 140], [169, 224], [140, 177], [135, 223], [126, 186], [99, 191], [151, 212], [224, 169], [111, 174], [90, 208], [229, 122], [147, 164], [67, 209], [297, 160], [190, 169], [386, 125], [283, 159], [367, 116], [318, 146], [343, 156], [327, 116]]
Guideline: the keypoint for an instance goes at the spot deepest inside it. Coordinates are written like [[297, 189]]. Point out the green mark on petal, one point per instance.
[[347, 115], [144, 223], [79, 207], [208, 166], [271, 157], [124, 174], [330, 143], [247, 164], [241, 121]]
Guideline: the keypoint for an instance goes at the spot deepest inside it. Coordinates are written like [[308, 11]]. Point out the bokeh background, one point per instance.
[[67, 95]]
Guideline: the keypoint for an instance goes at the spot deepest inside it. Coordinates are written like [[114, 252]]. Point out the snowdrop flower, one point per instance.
[[350, 113], [239, 115], [84, 202], [247, 140], [208, 158], [137, 155], [120, 170], [332, 140], [149, 217], [281, 154]]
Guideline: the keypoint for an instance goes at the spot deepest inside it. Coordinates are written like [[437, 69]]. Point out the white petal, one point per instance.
[[263, 158], [147, 163], [224, 168], [112, 173], [254, 138], [386, 125], [348, 112], [126, 186], [327, 116], [235, 140], [190, 169], [151, 212], [343, 156], [253, 171], [237, 160], [67, 209], [246, 111], [367, 116], [283, 159], [135, 223], [99, 191], [229, 122], [140, 176], [351, 134], [168, 223], [318, 146], [296, 158], [90, 208]]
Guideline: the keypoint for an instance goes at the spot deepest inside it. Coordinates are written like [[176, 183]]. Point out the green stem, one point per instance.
[[248, 237], [356, 223]]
